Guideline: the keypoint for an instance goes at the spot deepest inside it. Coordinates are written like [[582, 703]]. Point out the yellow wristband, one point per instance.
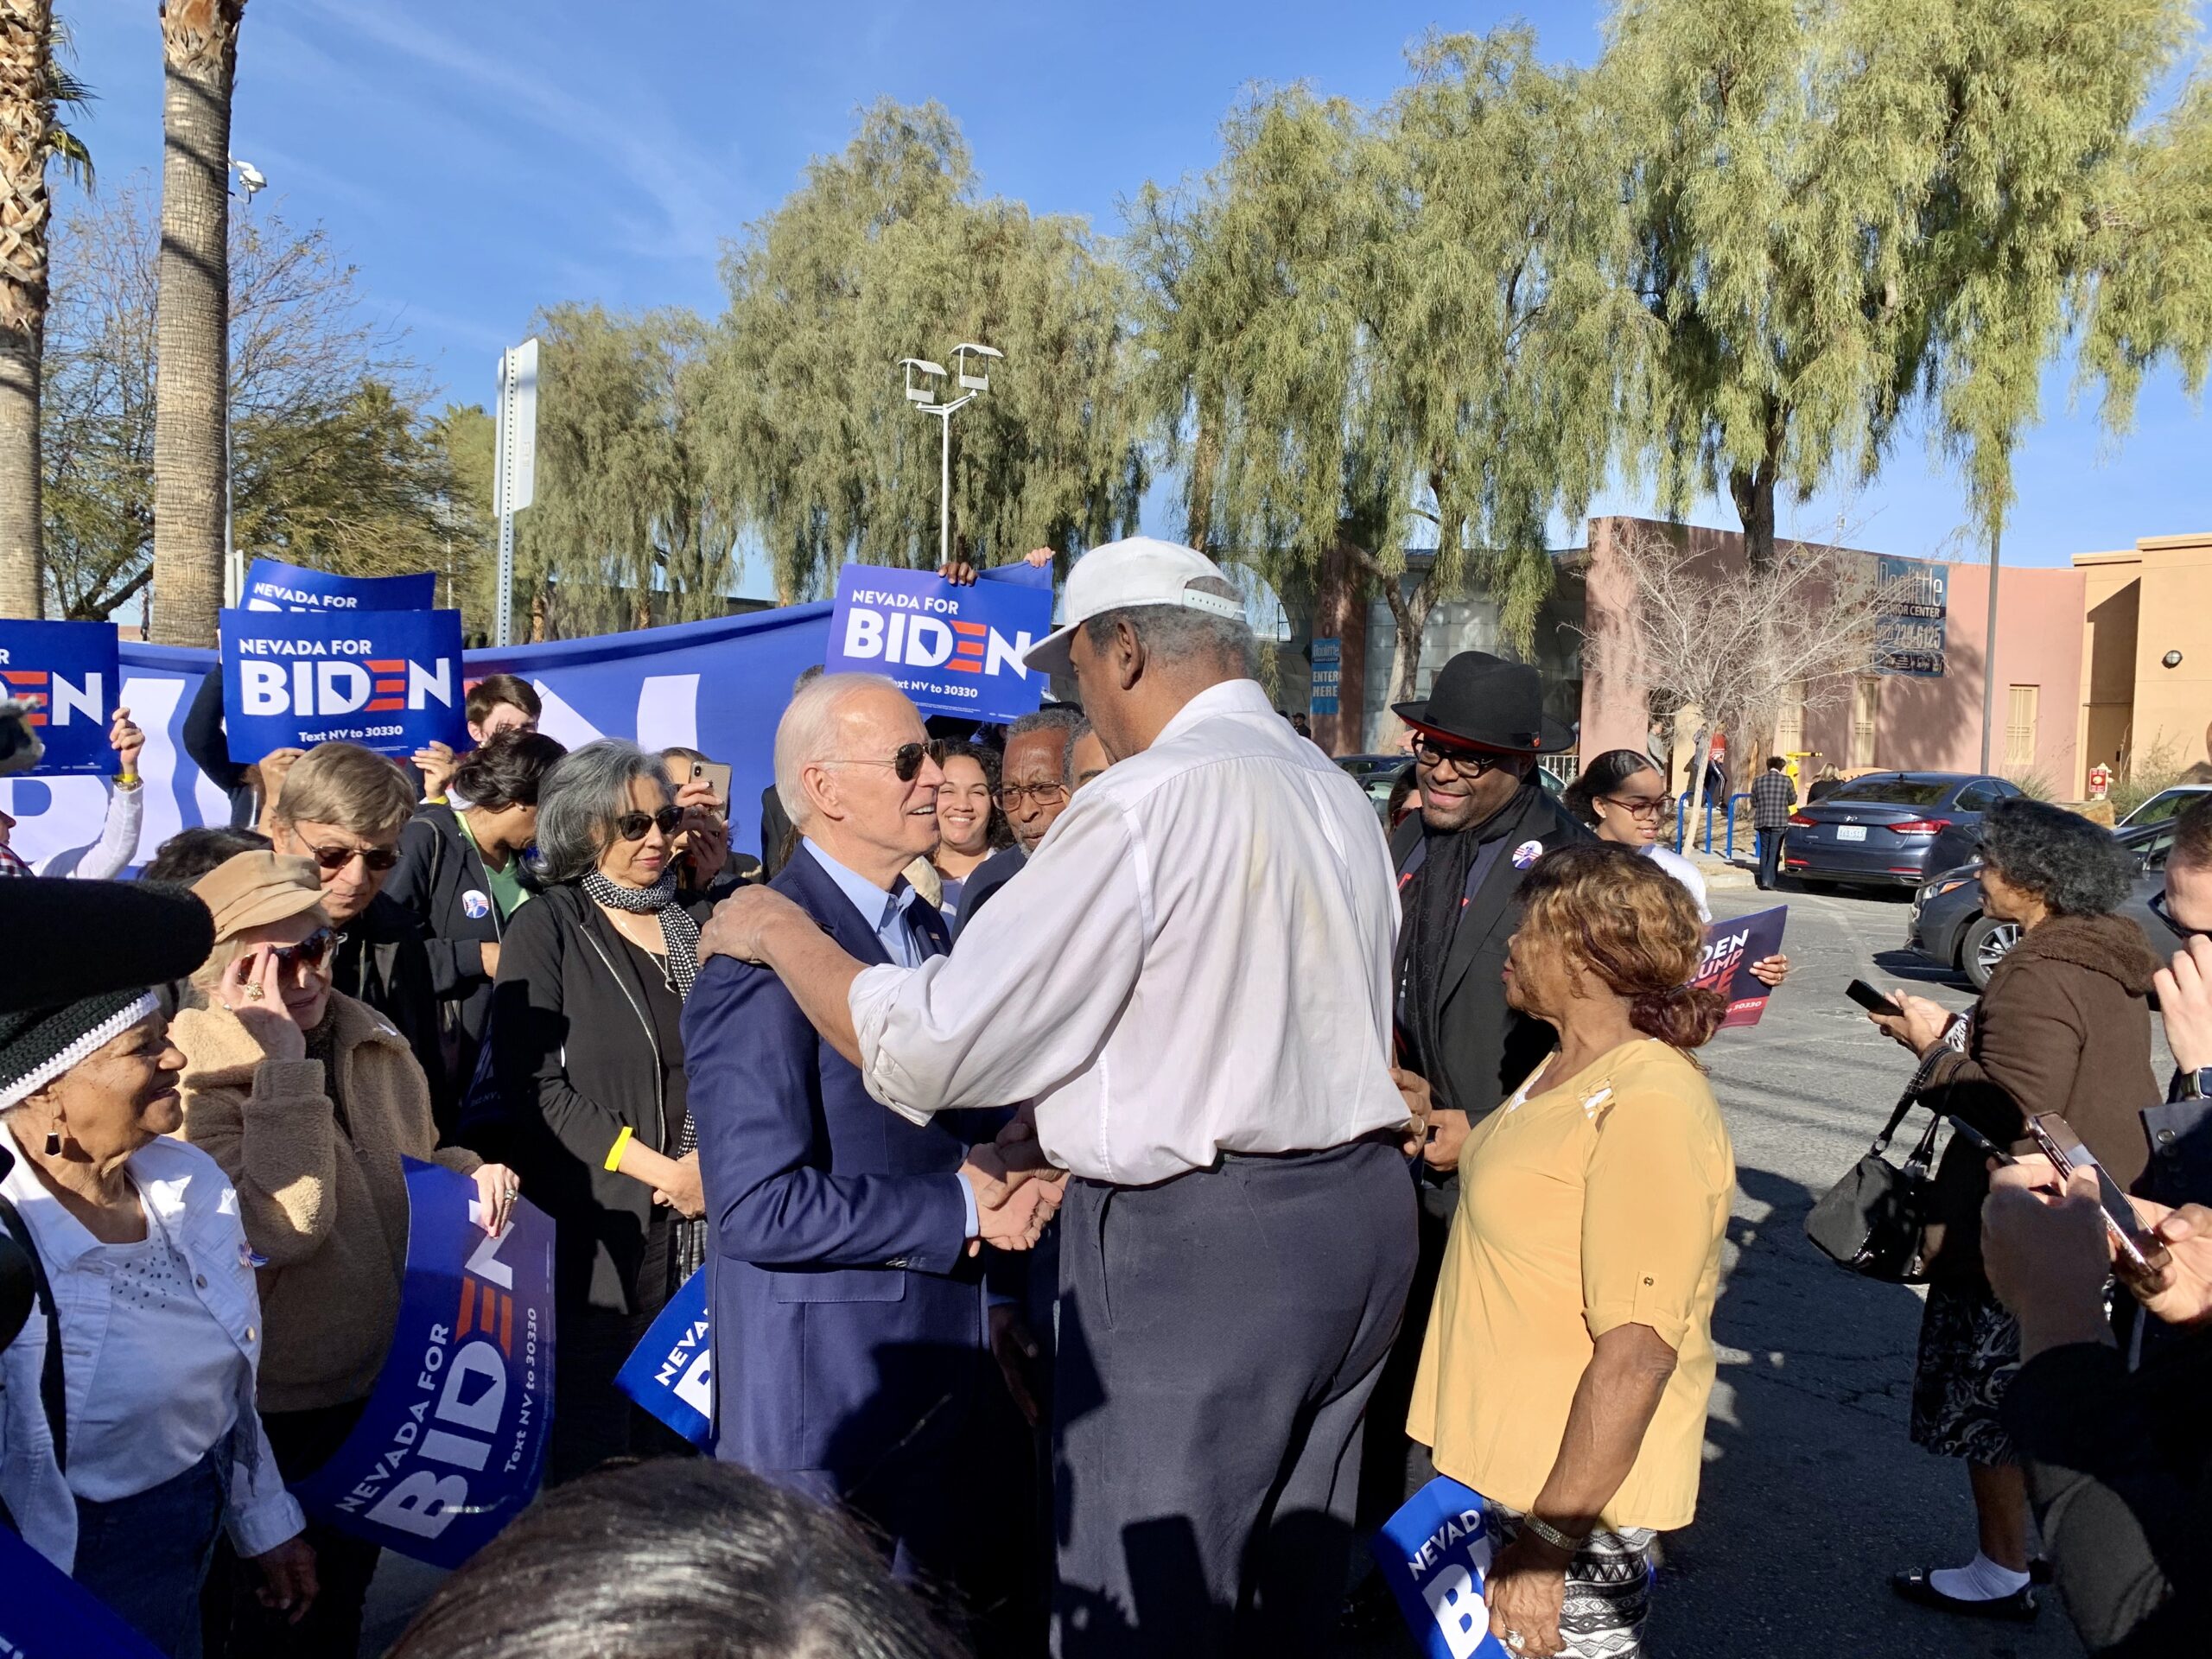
[[614, 1152]]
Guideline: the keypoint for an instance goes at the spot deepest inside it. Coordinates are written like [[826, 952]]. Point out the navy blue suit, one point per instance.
[[850, 1333]]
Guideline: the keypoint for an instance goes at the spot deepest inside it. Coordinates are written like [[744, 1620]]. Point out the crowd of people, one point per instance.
[[1000, 1101]]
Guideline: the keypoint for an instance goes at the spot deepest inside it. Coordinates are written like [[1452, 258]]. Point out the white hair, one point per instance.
[[807, 732]]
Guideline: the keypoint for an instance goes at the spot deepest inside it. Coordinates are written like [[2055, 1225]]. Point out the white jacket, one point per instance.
[[200, 1211]]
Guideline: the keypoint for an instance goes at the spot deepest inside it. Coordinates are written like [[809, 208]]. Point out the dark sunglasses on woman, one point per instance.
[[632, 826], [308, 951]]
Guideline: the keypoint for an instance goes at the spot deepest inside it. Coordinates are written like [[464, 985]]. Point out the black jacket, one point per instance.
[[381, 961], [575, 1062], [775, 830], [207, 747], [986, 879], [441, 881], [1489, 1050]]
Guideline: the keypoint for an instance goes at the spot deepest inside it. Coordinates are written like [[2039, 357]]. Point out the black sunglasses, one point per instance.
[[310, 951], [337, 858], [632, 826], [906, 761], [1474, 762], [2157, 907]]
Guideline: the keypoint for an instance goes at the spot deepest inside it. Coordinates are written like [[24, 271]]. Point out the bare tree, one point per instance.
[[1734, 642]]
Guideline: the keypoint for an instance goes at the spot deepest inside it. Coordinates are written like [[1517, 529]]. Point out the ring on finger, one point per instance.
[[254, 993]]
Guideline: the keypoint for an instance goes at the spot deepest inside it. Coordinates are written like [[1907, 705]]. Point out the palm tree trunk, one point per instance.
[[26, 131], [199, 53]]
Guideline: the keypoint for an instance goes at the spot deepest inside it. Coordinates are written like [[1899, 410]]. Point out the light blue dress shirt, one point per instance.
[[887, 913]]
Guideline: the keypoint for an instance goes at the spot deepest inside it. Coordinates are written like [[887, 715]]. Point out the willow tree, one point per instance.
[[1848, 207], [1373, 331], [625, 531], [888, 251]]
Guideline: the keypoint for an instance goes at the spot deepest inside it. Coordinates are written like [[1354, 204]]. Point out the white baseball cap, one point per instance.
[[1122, 575]]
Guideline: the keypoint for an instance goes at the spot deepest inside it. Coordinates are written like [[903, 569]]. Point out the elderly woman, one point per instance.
[[460, 875], [2063, 1026], [587, 1052], [136, 1370], [1621, 795], [1569, 1357], [309, 1100]]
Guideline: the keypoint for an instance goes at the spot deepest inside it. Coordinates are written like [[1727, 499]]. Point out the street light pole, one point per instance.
[[254, 180], [921, 392]]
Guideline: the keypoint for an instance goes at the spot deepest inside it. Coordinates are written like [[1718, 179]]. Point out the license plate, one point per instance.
[[1851, 832]]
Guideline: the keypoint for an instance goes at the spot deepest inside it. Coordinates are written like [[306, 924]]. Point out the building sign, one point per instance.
[[1909, 624], [1328, 675]]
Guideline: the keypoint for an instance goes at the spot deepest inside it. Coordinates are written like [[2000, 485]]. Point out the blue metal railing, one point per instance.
[[1682, 812]]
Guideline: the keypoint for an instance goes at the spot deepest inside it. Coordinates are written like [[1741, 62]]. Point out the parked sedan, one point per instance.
[[1949, 928], [2166, 803], [1891, 827]]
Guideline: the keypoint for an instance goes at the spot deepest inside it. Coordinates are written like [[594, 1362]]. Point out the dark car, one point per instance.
[[1949, 928], [1891, 828]]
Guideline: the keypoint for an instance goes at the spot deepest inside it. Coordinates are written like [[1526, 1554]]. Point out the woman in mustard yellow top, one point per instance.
[[1570, 1353]]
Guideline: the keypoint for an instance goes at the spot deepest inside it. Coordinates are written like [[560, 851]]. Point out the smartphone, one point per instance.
[[716, 774], [2059, 1143], [1870, 998], [1975, 1138]]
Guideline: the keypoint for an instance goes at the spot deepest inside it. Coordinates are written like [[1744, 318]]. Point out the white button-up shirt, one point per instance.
[[1196, 960]]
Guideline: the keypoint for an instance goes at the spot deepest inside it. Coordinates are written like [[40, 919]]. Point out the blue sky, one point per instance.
[[479, 158]]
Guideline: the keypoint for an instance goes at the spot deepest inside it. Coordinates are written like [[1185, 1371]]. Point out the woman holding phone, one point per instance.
[[2063, 1026]]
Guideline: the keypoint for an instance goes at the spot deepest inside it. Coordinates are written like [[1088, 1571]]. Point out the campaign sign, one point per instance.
[[451, 1443], [388, 680], [1730, 947], [954, 651], [70, 669], [671, 1374], [45, 1614], [272, 585], [1434, 1554]]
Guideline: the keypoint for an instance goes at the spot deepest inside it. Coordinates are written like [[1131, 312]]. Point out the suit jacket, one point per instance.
[[989, 876], [1489, 1050], [847, 1320], [775, 829]]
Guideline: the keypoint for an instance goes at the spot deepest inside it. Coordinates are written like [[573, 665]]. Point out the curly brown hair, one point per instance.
[[1635, 927], [941, 750]]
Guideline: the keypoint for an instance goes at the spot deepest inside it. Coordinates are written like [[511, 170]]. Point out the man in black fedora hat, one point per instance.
[[1485, 819]]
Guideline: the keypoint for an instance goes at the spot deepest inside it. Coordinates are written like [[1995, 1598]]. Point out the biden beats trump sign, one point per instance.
[[387, 680], [954, 651]]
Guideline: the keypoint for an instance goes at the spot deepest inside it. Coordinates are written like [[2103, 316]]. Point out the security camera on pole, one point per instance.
[[922, 376], [514, 469]]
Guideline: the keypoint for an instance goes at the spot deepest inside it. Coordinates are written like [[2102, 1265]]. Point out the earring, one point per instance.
[[53, 1143]]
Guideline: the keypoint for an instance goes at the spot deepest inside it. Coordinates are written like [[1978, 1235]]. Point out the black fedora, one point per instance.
[[1490, 704]]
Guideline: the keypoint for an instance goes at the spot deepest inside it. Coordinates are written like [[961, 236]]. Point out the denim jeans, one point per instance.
[[146, 1556]]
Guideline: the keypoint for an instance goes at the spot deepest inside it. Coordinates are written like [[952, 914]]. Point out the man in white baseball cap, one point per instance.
[[1193, 982]]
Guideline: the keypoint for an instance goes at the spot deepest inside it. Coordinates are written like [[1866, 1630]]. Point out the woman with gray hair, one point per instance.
[[588, 1056], [2063, 1026]]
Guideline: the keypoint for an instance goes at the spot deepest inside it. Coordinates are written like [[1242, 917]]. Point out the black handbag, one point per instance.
[[1874, 1221]]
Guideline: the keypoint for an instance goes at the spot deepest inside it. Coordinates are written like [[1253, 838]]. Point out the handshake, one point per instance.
[[1017, 1191]]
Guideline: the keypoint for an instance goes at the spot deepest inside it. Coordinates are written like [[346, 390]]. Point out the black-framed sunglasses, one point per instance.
[[337, 858], [310, 951], [2157, 907], [906, 761], [632, 826], [1470, 762]]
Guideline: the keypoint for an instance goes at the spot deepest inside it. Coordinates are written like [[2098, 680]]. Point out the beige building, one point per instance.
[[2146, 653]]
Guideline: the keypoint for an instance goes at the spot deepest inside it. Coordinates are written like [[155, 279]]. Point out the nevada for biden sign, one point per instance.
[[387, 680], [954, 651]]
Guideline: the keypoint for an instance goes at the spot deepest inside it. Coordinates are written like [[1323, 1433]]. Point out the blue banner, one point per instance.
[[44, 1614], [272, 585], [1434, 1554], [72, 672], [388, 680], [716, 686], [1725, 964], [1328, 676], [671, 1374], [451, 1445], [954, 651]]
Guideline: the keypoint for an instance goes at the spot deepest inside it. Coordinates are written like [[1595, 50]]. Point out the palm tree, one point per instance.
[[199, 51], [33, 86]]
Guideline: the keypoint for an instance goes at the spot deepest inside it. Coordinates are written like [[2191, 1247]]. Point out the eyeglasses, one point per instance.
[[2158, 906], [334, 859], [906, 761], [632, 826], [1471, 763], [309, 952], [1042, 794], [1638, 806]]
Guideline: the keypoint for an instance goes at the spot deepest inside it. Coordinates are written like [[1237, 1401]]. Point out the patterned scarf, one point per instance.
[[679, 936]]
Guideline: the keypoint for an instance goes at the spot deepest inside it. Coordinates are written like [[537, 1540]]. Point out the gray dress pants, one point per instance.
[[1219, 1336]]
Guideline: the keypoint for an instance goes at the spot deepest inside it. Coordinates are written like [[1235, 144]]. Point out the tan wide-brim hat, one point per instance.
[[252, 888]]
